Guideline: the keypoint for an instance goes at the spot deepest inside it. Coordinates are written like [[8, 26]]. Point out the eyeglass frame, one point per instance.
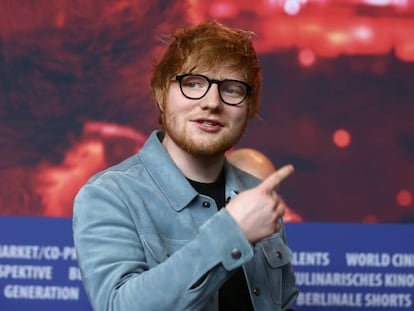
[[179, 79]]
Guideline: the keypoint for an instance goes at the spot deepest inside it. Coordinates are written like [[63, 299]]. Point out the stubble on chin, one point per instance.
[[197, 148]]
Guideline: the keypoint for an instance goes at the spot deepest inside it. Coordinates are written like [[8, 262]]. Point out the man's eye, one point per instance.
[[234, 90], [189, 84], [195, 83]]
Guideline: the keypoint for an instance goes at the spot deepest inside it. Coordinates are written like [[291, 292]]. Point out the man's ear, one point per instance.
[[160, 107], [158, 97]]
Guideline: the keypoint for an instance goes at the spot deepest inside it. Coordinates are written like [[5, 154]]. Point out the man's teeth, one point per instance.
[[207, 123]]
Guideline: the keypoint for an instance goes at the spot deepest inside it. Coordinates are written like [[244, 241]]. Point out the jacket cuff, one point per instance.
[[229, 241]]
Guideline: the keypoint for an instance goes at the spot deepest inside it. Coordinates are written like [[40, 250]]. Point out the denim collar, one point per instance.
[[170, 180]]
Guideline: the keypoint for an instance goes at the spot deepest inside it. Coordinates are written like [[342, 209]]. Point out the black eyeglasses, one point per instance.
[[195, 86]]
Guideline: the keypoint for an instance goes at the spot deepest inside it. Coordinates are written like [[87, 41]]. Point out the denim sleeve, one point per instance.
[[114, 268]]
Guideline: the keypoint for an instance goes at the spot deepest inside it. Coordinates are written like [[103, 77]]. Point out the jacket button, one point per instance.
[[235, 253], [206, 204], [256, 291], [279, 254]]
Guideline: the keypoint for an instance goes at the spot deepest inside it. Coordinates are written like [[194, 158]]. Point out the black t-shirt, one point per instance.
[[234, 294]]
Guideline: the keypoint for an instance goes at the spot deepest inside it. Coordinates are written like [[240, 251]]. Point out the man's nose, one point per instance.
[[212, 99]]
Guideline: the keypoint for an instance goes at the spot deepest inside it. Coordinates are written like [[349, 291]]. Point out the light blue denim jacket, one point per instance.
[[146, 240]]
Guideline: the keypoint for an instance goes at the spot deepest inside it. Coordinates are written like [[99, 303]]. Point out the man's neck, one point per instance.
[[197, 168]]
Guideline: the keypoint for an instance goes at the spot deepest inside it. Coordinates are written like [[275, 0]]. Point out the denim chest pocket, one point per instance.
[[158, 249], [276, 255]]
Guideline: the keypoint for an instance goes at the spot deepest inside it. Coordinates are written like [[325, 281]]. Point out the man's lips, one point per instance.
[[208, 122]]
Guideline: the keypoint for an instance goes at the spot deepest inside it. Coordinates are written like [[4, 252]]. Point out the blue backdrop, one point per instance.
[[338, 266]]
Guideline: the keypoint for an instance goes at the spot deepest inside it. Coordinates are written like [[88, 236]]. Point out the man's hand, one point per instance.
[[258, 210]]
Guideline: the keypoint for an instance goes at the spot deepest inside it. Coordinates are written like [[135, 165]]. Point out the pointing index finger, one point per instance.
[[275, 179]]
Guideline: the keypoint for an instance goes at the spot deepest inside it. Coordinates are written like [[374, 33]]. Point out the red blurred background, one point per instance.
[[337, 97]]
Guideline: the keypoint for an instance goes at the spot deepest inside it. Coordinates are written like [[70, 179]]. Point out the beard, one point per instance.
[[190, 144]]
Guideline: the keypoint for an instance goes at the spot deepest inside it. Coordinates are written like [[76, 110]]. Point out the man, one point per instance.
[[176, 227]]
